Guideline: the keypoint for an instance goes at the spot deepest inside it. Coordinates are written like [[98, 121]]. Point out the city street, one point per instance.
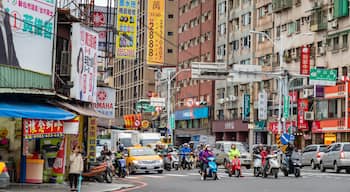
[[188, 181]]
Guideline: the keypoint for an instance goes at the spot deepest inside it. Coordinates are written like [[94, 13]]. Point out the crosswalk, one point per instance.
[[246, 175]]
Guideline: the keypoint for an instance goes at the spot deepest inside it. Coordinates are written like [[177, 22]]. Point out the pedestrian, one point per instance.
[[76, 167]]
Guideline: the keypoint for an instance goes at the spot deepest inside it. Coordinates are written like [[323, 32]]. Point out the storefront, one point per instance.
[[234, 130], [189, 122], [32, 141]]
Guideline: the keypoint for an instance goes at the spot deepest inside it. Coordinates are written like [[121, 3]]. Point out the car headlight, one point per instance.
[[135, 162]]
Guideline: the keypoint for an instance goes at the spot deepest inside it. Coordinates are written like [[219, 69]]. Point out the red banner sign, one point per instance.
[[303, 106], [35, 128], [316, 127], [58, 166], [273, 126], [305, 61], [294, 96]]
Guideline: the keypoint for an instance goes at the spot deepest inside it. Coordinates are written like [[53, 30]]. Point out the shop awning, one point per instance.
[[82, 110], [33, 111]]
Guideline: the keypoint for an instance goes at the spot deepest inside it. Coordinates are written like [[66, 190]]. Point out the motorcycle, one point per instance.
[[187, 162], [121, 168], [291, 165], [257, 165], [212, 169], [272, 166], [235, 167]]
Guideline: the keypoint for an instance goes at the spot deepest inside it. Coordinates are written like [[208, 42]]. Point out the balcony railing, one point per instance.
[[279, 5], [318, 21]]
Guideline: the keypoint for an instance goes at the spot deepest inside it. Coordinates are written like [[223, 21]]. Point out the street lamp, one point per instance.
[[284, 76]]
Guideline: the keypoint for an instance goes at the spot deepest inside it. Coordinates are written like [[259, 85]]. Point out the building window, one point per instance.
[[170, 16], [222, 8], [297, 26], [221, 52], [245, 41], [222, 29], [335, 43], [291, 28], [235, 45], [278, 31], [345, 41], [170, 50], [246, 18], [170, 33]]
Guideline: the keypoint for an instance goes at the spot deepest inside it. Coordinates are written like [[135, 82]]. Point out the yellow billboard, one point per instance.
[[126, 29], [155, 32]]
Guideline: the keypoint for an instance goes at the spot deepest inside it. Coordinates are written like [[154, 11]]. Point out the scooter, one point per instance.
[[99, 172], [187, 162], [272, 167], [291, 165], [257, 165], [175, 161], [235, 167], [167, 162], [212, 169], [121, 168]]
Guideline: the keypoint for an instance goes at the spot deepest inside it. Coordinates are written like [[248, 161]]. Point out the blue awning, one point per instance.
[[33, 111]]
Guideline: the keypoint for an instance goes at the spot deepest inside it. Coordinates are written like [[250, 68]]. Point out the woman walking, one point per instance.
[[76, 167]]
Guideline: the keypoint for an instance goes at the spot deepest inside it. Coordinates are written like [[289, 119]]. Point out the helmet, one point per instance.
[[185, 144]]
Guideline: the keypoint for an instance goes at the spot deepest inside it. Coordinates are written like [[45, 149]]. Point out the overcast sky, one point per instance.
[[103, 2]]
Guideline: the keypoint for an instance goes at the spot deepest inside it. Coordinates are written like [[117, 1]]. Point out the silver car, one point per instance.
[[312, 155], [223, 148], [337, 157]]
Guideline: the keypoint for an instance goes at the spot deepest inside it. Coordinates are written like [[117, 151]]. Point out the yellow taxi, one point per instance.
[[143, 159]]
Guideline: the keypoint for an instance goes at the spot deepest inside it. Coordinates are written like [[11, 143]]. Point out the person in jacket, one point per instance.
[[234, 152], [76, 167], [206, 153], [185, 150], [263, 155]]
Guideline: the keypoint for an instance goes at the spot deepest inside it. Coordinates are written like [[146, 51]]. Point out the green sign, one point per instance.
[[172, 121], [142, 106], [325, 77], [260, 125], [286, 106], [246, 107]]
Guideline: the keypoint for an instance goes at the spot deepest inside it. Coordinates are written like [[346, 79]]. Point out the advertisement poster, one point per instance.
[[127, 29], [34, 128], [26, 35], [262, 107], [155, 32], [302, 108], [105, 101], [104, 19], [84, 63], [305, 61], [246, 107]]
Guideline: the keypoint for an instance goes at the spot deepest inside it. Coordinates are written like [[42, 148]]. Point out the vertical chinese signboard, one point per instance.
[[246, 107], [84, 63], [305, 60], [26, 30], [127, 29], [34, 128], [286, 106], [155, 32], [91, 139], [302, 108], [262, 107]]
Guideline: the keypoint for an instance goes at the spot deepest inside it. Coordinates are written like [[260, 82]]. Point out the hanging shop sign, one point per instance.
[[105, 101], [246, 107], [303, 106], [92, 136], [262, 106], [35, 128], [155, 32], [305, 60], [145, 124]]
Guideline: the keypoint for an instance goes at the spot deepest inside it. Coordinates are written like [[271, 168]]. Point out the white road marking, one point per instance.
[[176, 175]]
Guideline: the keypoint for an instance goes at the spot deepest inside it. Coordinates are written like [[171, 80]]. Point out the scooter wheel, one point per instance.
[[238, 173], [215, 176], [230, 173], [297, 172]]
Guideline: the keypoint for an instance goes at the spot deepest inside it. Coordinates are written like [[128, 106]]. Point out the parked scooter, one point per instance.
[[99, 172], [292, 165], [272, 166], [212, 169], [257, 165], [235, 167]]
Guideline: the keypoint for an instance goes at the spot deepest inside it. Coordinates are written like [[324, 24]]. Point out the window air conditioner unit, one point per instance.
[[334, 24], [232, 98], [307, 93], [309, 116], [321, 50], [227, 99], [221, 101]]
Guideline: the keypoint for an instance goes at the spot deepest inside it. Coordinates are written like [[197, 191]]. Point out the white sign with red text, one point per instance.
[[105, 101]]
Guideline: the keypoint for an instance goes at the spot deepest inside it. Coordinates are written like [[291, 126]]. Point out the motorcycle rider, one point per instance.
[[185, 150], [234, 152], [119, 155], [289, 153], [263, 155], [206, 153]]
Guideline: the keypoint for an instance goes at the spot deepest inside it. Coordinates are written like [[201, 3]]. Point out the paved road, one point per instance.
[[189, 181]]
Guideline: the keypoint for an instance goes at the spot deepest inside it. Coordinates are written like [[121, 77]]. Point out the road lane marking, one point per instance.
[[176, 175]]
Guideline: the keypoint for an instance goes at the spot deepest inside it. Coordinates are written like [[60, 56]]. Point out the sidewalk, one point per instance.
[[86, 187]]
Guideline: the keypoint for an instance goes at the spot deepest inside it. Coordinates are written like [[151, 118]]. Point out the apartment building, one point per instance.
[[234, 45], [196, 41], [135, 79]]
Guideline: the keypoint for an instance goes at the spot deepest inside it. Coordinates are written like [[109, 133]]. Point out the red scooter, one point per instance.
[[235, 167]]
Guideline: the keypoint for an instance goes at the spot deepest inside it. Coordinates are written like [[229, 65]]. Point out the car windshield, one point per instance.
[[142, 152], [145, 142], [240, 147], [346, 147], [126, 142], [323, 148]]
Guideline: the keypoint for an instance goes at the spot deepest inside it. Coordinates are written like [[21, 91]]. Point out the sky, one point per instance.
[[102, 2]]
